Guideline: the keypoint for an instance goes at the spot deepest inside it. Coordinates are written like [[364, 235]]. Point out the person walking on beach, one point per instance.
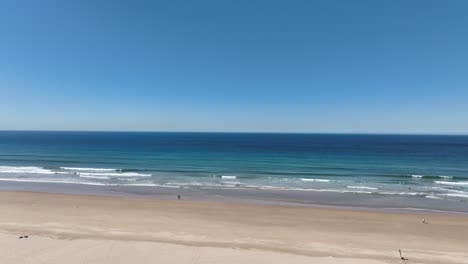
[[178, 197]]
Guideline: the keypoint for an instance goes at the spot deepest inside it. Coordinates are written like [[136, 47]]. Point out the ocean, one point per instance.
[[427, 167]]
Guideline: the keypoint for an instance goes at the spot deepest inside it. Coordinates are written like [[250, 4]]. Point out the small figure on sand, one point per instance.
[[424, 221], [178, 197], [401, 256]]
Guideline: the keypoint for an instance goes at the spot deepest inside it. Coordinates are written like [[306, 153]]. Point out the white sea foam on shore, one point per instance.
[[403, 193], [457, 195], [144, 185], [25, 169], [362, 187], [433, 197], [95, 177], [50, 181]]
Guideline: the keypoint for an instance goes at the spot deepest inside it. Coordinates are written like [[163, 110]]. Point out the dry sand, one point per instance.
[[97, 229]]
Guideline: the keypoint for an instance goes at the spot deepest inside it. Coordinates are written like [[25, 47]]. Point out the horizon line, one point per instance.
[[239, 132]]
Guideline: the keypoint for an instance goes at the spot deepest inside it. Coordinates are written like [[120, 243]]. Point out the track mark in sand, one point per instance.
[[197, 260], [109, 252], [203, 257], [197, 257]]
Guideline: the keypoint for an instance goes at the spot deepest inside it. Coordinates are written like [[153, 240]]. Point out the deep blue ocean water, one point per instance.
[[435, 167]]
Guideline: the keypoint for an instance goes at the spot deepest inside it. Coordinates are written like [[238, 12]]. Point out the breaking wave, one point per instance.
[[464, 183], [88, 169], [314, 180], [25, 169], [228, 177]]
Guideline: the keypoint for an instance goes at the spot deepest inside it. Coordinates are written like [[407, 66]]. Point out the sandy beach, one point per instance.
[[101, 229]]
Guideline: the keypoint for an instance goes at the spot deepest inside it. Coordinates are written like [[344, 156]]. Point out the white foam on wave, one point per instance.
[[417, 176], [113, 174], [87, 169], [25, 169], [49, 181], [446, 177], [228, 177], [314, 180], [362, 187], [464, 183]]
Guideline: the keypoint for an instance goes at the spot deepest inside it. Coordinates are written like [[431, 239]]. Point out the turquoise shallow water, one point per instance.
[[433, 167]]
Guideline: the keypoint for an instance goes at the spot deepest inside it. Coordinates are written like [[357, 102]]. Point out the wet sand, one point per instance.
[[314, 199]]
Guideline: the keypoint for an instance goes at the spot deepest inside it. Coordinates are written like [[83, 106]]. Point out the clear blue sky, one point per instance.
[[298, 66]]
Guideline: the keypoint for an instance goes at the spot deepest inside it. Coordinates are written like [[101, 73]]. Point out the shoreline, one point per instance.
[[309, 199], [345, 236]]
